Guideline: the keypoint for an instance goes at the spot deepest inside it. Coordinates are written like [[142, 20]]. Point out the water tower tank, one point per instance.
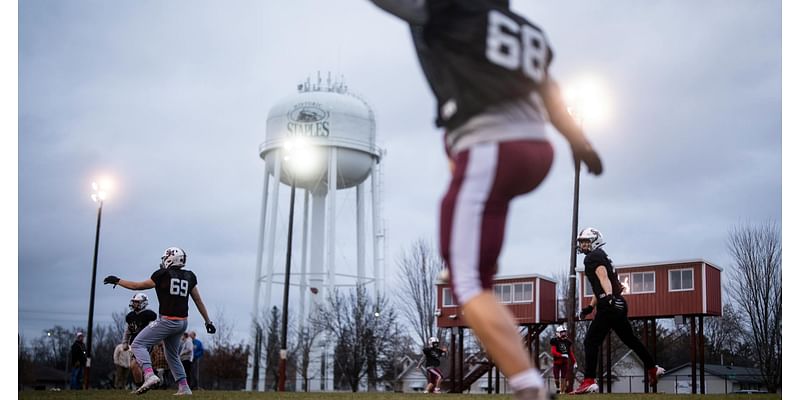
[[324, 116]]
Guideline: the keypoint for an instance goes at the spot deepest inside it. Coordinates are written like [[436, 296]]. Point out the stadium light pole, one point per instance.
[[587, 101], [298, 157], [98, 196]]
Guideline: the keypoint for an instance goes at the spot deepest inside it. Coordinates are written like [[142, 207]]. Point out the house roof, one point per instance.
[[44, 373], [730, 372]]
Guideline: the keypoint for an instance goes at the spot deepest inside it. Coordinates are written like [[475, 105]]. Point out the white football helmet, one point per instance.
[[138, 302], [433, 341], [594, 237], [561, 330], [173, 257]]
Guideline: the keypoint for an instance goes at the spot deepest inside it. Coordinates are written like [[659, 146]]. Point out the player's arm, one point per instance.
[[412, 11], [566, 125], [198, 301], [555, 352], [602, 275], [132, 285]]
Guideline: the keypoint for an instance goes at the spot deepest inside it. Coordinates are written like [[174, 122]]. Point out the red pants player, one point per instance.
[[488, 68], [563, 358]]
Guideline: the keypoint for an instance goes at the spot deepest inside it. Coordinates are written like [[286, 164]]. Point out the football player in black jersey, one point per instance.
[[173, 286], [137, 319], [563, 358], [488, 69], [612, 311], [432, 354]]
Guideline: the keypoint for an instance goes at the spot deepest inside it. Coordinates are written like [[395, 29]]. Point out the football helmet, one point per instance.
[[138, 302], [594, 237], [433, 341], [561, 330], [173, 257]]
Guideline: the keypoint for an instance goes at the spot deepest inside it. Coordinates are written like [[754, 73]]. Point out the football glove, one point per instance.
[[614, 302], [584, 152], [111, 280], [210, 328], [586, 311]]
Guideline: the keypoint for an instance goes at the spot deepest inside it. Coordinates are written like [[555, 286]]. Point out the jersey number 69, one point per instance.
[[178, 287], [511, 45]]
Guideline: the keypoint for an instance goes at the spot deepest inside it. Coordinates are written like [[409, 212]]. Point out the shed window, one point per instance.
[[681, 280], [643, 282], [503, 293], [523, 292], [447, 298]]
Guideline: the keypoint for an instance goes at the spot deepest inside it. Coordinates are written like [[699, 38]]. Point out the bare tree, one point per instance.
[[306, 336], [364, 331], [755, 286], [724, 334], [419, 267]]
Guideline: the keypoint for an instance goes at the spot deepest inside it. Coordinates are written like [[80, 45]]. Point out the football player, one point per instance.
[[563, 357], [432, 354], [612, 311], [173, 286], [137, 319], [488, 69]]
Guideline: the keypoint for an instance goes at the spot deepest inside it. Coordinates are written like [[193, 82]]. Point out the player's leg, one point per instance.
[[623, 329], [136, 372], [150, 336], [599, 328], [172, 345], [485, 179], [430, 379], [437, 379]]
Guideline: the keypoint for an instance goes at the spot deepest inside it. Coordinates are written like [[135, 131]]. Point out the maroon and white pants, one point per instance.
[[473, 212]]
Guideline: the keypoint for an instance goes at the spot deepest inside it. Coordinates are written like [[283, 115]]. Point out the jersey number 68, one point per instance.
[[511, 45]]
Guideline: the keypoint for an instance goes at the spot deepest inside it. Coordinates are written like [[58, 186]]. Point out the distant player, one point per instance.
[[432, 354], [612, 311], [488, 68], [563, 358], [136, 320], [173, 286]]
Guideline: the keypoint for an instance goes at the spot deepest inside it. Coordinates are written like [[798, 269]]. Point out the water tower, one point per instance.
[[322, 139]]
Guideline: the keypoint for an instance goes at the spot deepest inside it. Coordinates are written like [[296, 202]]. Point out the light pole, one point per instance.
[[589, 102], [98, 196], [298, 157]]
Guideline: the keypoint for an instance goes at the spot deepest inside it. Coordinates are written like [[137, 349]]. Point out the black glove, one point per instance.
[[583, 152], [210, 328], [111, 280], [586, 311], [618, 303]]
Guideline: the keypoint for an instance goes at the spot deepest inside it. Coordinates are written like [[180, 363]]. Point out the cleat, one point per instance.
[[588, 386], [149, 383], [654, 373], [184, 391]]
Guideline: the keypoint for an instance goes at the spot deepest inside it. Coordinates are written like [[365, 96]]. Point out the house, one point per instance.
[[47, 378], [720, 379]]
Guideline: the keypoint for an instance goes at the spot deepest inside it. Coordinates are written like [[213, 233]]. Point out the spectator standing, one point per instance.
[[187, 355], [78, 357], [198, 355], [122, 361]]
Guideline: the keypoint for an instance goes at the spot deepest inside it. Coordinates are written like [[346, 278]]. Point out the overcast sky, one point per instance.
[[170, 98]]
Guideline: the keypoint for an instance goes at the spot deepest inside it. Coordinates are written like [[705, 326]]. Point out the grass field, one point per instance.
[[220, 395]]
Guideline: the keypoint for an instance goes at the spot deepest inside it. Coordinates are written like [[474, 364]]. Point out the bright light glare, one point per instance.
[[301, 157], [588, 100], [101, 189]]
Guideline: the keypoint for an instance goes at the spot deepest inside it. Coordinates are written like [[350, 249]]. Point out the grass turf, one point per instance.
[[220, 395]]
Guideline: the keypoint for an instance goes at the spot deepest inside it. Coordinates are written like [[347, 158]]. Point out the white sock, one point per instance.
[[526, 379]]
